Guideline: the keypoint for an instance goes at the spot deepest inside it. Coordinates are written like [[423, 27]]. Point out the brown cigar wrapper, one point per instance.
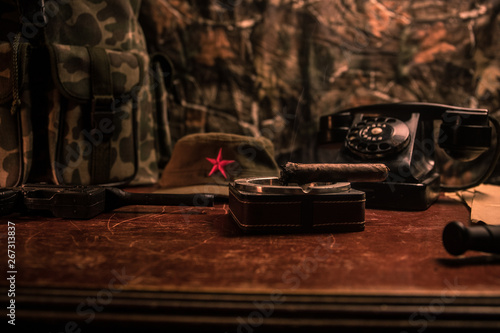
[[331, 173]]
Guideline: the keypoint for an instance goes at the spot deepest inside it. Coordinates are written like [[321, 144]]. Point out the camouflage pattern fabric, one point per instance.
[[16, 138], [100, 121], [11, 142], [273, 68]]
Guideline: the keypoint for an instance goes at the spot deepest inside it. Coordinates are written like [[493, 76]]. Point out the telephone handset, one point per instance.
[[404, 136]]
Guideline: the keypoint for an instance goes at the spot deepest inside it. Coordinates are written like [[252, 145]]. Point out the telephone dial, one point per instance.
[[406, 138]]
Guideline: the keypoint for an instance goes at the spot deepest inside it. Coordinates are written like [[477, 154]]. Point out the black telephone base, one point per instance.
[[401, 196]]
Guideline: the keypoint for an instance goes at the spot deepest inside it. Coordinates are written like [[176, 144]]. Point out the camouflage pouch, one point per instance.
[[100, 108], [92, 122]]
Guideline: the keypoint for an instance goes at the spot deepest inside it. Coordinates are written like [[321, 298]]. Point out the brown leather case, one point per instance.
[[335, 212]]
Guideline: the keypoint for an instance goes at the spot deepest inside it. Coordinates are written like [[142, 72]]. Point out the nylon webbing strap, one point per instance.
[[101, 114]]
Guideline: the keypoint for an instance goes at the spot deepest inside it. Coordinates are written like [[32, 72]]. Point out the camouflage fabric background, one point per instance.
[[273, 67]]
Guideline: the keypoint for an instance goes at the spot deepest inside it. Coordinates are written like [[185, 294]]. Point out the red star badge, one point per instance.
[[219, 164]]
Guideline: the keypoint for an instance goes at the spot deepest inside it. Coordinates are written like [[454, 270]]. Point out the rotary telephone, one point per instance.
[[406, 138]]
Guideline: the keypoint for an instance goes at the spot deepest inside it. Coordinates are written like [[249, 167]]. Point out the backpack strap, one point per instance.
[[102, 114], [33, 20]]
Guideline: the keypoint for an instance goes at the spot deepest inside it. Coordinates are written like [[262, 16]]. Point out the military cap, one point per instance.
[[208, 162]]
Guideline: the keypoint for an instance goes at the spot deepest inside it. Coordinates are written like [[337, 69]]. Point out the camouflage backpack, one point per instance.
[[81, 100]]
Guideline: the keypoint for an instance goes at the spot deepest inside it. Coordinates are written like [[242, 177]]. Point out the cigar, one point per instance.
[[332, 173]]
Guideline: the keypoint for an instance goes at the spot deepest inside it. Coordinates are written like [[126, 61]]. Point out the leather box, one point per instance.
[[334, 212]]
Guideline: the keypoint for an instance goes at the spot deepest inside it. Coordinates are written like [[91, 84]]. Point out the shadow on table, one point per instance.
[[485, 259]]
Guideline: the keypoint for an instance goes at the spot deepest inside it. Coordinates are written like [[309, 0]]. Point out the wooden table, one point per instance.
[[192, 269]]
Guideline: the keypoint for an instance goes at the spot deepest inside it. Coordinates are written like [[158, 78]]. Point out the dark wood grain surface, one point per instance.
[[199, 255]]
